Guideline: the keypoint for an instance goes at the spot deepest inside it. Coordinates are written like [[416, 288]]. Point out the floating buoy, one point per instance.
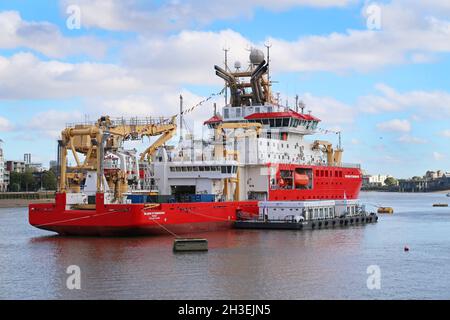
[[185, 245], [406, 248], [387, 210]]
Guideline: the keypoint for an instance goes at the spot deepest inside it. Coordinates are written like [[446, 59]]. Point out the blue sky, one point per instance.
[[386, 88]]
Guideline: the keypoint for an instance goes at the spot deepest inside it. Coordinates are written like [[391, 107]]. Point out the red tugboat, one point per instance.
[[255, 153]]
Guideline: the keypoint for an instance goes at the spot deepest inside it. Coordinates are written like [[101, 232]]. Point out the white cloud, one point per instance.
[[187, 57], [5, 125], [411, 140], [445, 133], [395, 125], [431, 104], [331, 111], [438, 156], [44, 37], [55, 121], [132, 15], [24, 76]]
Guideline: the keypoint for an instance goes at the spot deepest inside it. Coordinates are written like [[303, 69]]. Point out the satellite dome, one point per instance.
[[256, 56], [237, 65]]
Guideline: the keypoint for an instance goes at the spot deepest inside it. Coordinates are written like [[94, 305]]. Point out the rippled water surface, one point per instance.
[[241, 264]]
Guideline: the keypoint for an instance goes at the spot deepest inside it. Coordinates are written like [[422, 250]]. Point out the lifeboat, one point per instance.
[[301, 180]]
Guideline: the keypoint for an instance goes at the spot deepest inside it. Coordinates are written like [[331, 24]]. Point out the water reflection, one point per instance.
[[240, 264]]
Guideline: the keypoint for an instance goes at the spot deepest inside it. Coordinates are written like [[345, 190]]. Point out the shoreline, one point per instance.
[[21, 203], [430, 192]]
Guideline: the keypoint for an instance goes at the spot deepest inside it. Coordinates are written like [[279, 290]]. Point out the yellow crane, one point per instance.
[[334, 157], [91, 140], [220, 151]]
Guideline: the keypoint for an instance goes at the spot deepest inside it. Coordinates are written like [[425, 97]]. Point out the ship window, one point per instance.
[[207, 168], [189, 168], [265, 121], [226, 113], [178, 169], [326, 173], [224, 169], [257, 109], [238, 112], [269, 109], [229, 169], [202, 168], [279, 122], [317, 173], [272, 122], [286, 122]]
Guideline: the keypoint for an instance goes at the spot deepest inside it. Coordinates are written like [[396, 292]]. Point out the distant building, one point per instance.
[[35, 167], [375, 180], [432, 175], [53, 165], [15, 166], [4, 176], [27, 158]]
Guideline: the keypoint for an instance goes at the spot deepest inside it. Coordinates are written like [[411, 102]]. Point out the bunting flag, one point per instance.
[[326, 131], [189, 110]]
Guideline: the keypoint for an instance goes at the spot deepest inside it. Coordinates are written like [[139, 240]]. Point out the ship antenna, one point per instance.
[[296, 103], [225, 50], [340, 141], [181, 118]]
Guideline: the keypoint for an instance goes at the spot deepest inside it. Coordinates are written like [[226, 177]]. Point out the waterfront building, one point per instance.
[[15, 166], [4, 177], [375, 180]]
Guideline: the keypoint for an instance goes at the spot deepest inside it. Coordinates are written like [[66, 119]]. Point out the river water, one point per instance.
[[240, 264]]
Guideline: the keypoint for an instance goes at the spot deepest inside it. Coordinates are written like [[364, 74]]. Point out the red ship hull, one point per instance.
[[137, 219], [183, 218]]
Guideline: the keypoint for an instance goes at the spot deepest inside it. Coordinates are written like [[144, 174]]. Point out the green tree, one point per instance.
[[28, 182], [49, 180], [391, 181], [15, 181]]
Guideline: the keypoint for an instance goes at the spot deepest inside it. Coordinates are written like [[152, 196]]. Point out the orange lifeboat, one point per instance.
[[301, 180]]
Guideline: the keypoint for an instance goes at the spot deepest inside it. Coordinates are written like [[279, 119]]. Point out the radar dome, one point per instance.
[[256, 56], [237, 65]]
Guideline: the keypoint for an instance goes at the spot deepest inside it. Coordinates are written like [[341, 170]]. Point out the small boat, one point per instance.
[[387, 210], [440, 205], [448, 194]]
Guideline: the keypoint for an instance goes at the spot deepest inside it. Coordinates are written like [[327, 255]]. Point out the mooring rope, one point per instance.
[[172, 233]]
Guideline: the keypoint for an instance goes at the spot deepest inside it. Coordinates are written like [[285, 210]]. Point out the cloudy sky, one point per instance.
[[378, 71]]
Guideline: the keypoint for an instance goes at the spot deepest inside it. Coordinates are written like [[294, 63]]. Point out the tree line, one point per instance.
[[30, 181]]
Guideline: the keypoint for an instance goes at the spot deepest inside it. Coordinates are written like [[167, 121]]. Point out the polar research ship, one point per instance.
[[257, 157]]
